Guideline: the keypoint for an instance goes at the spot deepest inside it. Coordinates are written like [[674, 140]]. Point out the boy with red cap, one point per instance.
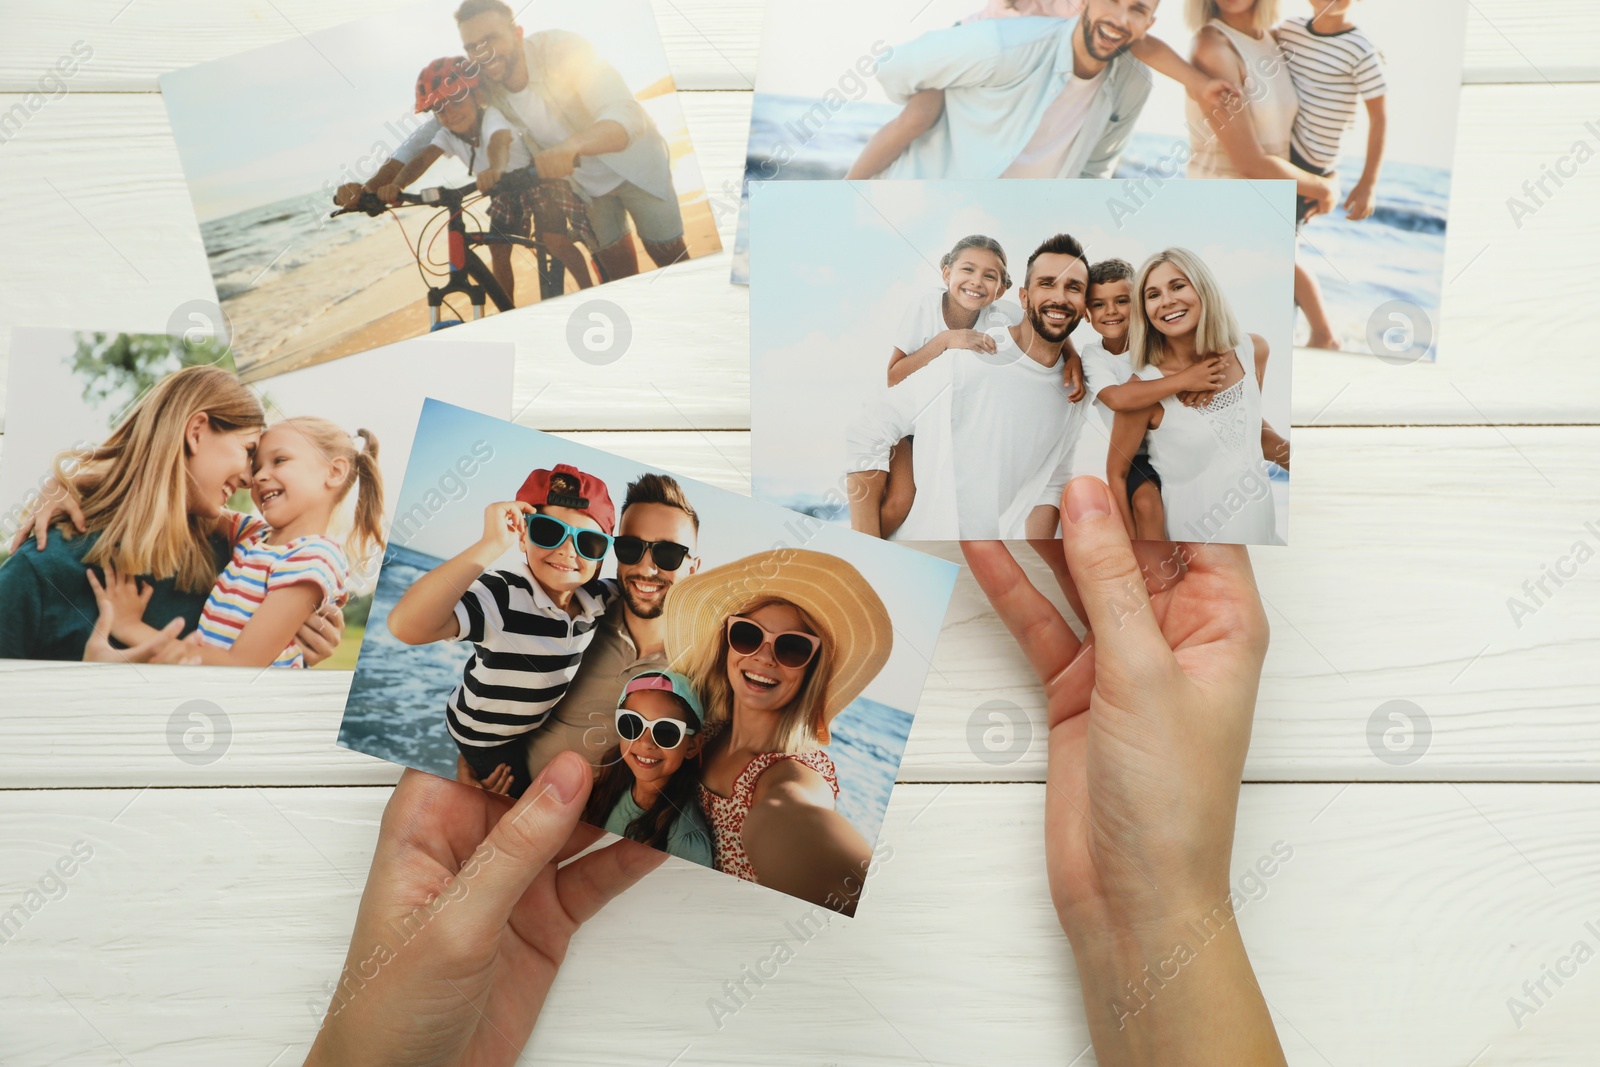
[[529, 625]]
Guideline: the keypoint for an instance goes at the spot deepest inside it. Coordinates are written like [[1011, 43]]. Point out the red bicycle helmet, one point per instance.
[[442, 80]]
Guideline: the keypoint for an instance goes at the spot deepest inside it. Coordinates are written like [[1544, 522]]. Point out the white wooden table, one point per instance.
[[1421, 895]]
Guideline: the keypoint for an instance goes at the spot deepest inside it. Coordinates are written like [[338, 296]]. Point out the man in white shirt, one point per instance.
[[581, 122], [995, 431], [1025, 97]]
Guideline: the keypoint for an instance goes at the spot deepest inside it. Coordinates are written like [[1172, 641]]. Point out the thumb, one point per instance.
[[524, 840], [1107, 574]]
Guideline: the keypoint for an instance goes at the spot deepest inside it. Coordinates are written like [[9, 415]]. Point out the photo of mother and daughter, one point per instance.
[[709, 700], [196, 533]]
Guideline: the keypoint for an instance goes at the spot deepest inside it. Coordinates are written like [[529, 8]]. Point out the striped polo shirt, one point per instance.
[[256, 569], [525, 651], [1333, 73]]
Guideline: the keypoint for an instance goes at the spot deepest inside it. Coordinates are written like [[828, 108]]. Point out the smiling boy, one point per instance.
[[529, 625]]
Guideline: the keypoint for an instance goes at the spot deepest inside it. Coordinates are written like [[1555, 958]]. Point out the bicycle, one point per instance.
[[469, 274]]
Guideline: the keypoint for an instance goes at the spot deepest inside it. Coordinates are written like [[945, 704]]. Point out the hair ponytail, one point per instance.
[[360, 451]]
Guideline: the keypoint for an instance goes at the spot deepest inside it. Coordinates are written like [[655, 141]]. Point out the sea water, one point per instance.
[[1397, 254], [396, 707]]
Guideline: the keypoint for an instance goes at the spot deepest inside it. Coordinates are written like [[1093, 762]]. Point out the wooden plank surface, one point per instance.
[[711, 44], [206, 923], [1387, 592]]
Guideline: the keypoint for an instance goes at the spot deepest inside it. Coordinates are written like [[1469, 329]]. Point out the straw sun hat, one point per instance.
[[850, 616]]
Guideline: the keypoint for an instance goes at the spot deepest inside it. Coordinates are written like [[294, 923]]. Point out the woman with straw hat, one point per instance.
[[778, 644]]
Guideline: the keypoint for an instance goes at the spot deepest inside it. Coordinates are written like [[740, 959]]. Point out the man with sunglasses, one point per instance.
[[658, 533]]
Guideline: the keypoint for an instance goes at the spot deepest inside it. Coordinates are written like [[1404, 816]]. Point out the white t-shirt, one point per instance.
[[995, 439], [1101, 370], [592, 175], [1046, 151], [924, 319], [476, 157]]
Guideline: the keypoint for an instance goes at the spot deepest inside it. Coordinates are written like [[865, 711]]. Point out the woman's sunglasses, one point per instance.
[[668, 555], [547, 531], [668, 734], [791, 648]]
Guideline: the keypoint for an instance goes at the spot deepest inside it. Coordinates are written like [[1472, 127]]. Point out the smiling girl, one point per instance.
[[284, 567], [646, 788]]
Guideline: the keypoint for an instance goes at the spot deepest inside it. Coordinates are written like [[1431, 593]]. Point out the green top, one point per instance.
[[688, 838], [47, 607]]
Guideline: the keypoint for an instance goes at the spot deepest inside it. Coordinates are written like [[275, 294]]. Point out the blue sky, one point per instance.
[[282, 120], [808, 47], [915, 587], [835, 264]]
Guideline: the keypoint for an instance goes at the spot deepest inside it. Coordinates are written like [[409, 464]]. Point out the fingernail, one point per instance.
[[1087, 498], [564, 777]]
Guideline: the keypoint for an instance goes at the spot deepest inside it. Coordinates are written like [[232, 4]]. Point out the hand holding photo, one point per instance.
[[549, 136], [741, 678], [162, 511], [989, 405]]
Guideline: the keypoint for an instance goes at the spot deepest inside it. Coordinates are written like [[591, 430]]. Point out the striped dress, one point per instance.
[[1333, 73], [256, 569], [525, 651]]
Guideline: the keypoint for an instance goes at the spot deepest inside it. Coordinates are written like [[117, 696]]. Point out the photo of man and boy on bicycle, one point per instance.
[[538, 153]]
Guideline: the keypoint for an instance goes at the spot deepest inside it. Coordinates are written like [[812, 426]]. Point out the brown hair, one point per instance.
[[983, 243], [707, 666], [134, 489], [328, 438], [658, 489], [615, 778], [473, 8]]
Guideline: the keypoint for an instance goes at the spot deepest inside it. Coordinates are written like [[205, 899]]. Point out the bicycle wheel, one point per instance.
[[479, 272]]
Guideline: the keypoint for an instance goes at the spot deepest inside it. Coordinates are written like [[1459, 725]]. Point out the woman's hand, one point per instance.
[[1149, 719], [164, 647], [319, 636], [1326, 197], [475, 881], [53, 501]]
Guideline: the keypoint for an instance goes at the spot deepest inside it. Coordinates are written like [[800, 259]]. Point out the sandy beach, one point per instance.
[[302, 316]]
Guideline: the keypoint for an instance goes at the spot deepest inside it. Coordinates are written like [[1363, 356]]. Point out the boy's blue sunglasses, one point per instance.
[[547, 531]]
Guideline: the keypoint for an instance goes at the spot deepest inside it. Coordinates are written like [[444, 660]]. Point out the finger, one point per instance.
[[161, 643], [586, 885], [525, 839], [1040, 631], [94, 583], [1161, 563], [41, 532], [1108, 576]]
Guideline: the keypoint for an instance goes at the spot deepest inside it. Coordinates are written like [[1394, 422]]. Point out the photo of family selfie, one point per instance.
[[431, 166], [972, 347], [741, 681], [160, 510], [1352, 100]]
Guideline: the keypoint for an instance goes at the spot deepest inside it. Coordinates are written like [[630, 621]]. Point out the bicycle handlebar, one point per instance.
[[438, 196]]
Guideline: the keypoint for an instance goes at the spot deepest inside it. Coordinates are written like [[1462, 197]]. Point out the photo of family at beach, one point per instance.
[[159, 510], [1354, 102], [424, 168], [972, 346], [741, 678]]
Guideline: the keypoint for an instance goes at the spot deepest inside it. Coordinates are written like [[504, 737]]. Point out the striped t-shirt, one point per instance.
[[1333, 73], [256, 569], [525, 652]]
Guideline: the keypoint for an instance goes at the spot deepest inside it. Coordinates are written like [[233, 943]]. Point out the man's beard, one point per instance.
[[644, 611], [1046, 330], [1089, 43]]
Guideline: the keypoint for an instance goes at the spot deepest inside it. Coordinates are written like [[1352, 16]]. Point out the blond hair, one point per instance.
[[1217, 332], [706, 664], [334, 444], [1199, 12], [134, 489]]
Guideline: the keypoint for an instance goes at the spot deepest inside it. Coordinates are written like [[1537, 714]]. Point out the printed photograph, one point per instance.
[[158, 509], [742, 678], [1355, 101], [935, 360], [424, 168]]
